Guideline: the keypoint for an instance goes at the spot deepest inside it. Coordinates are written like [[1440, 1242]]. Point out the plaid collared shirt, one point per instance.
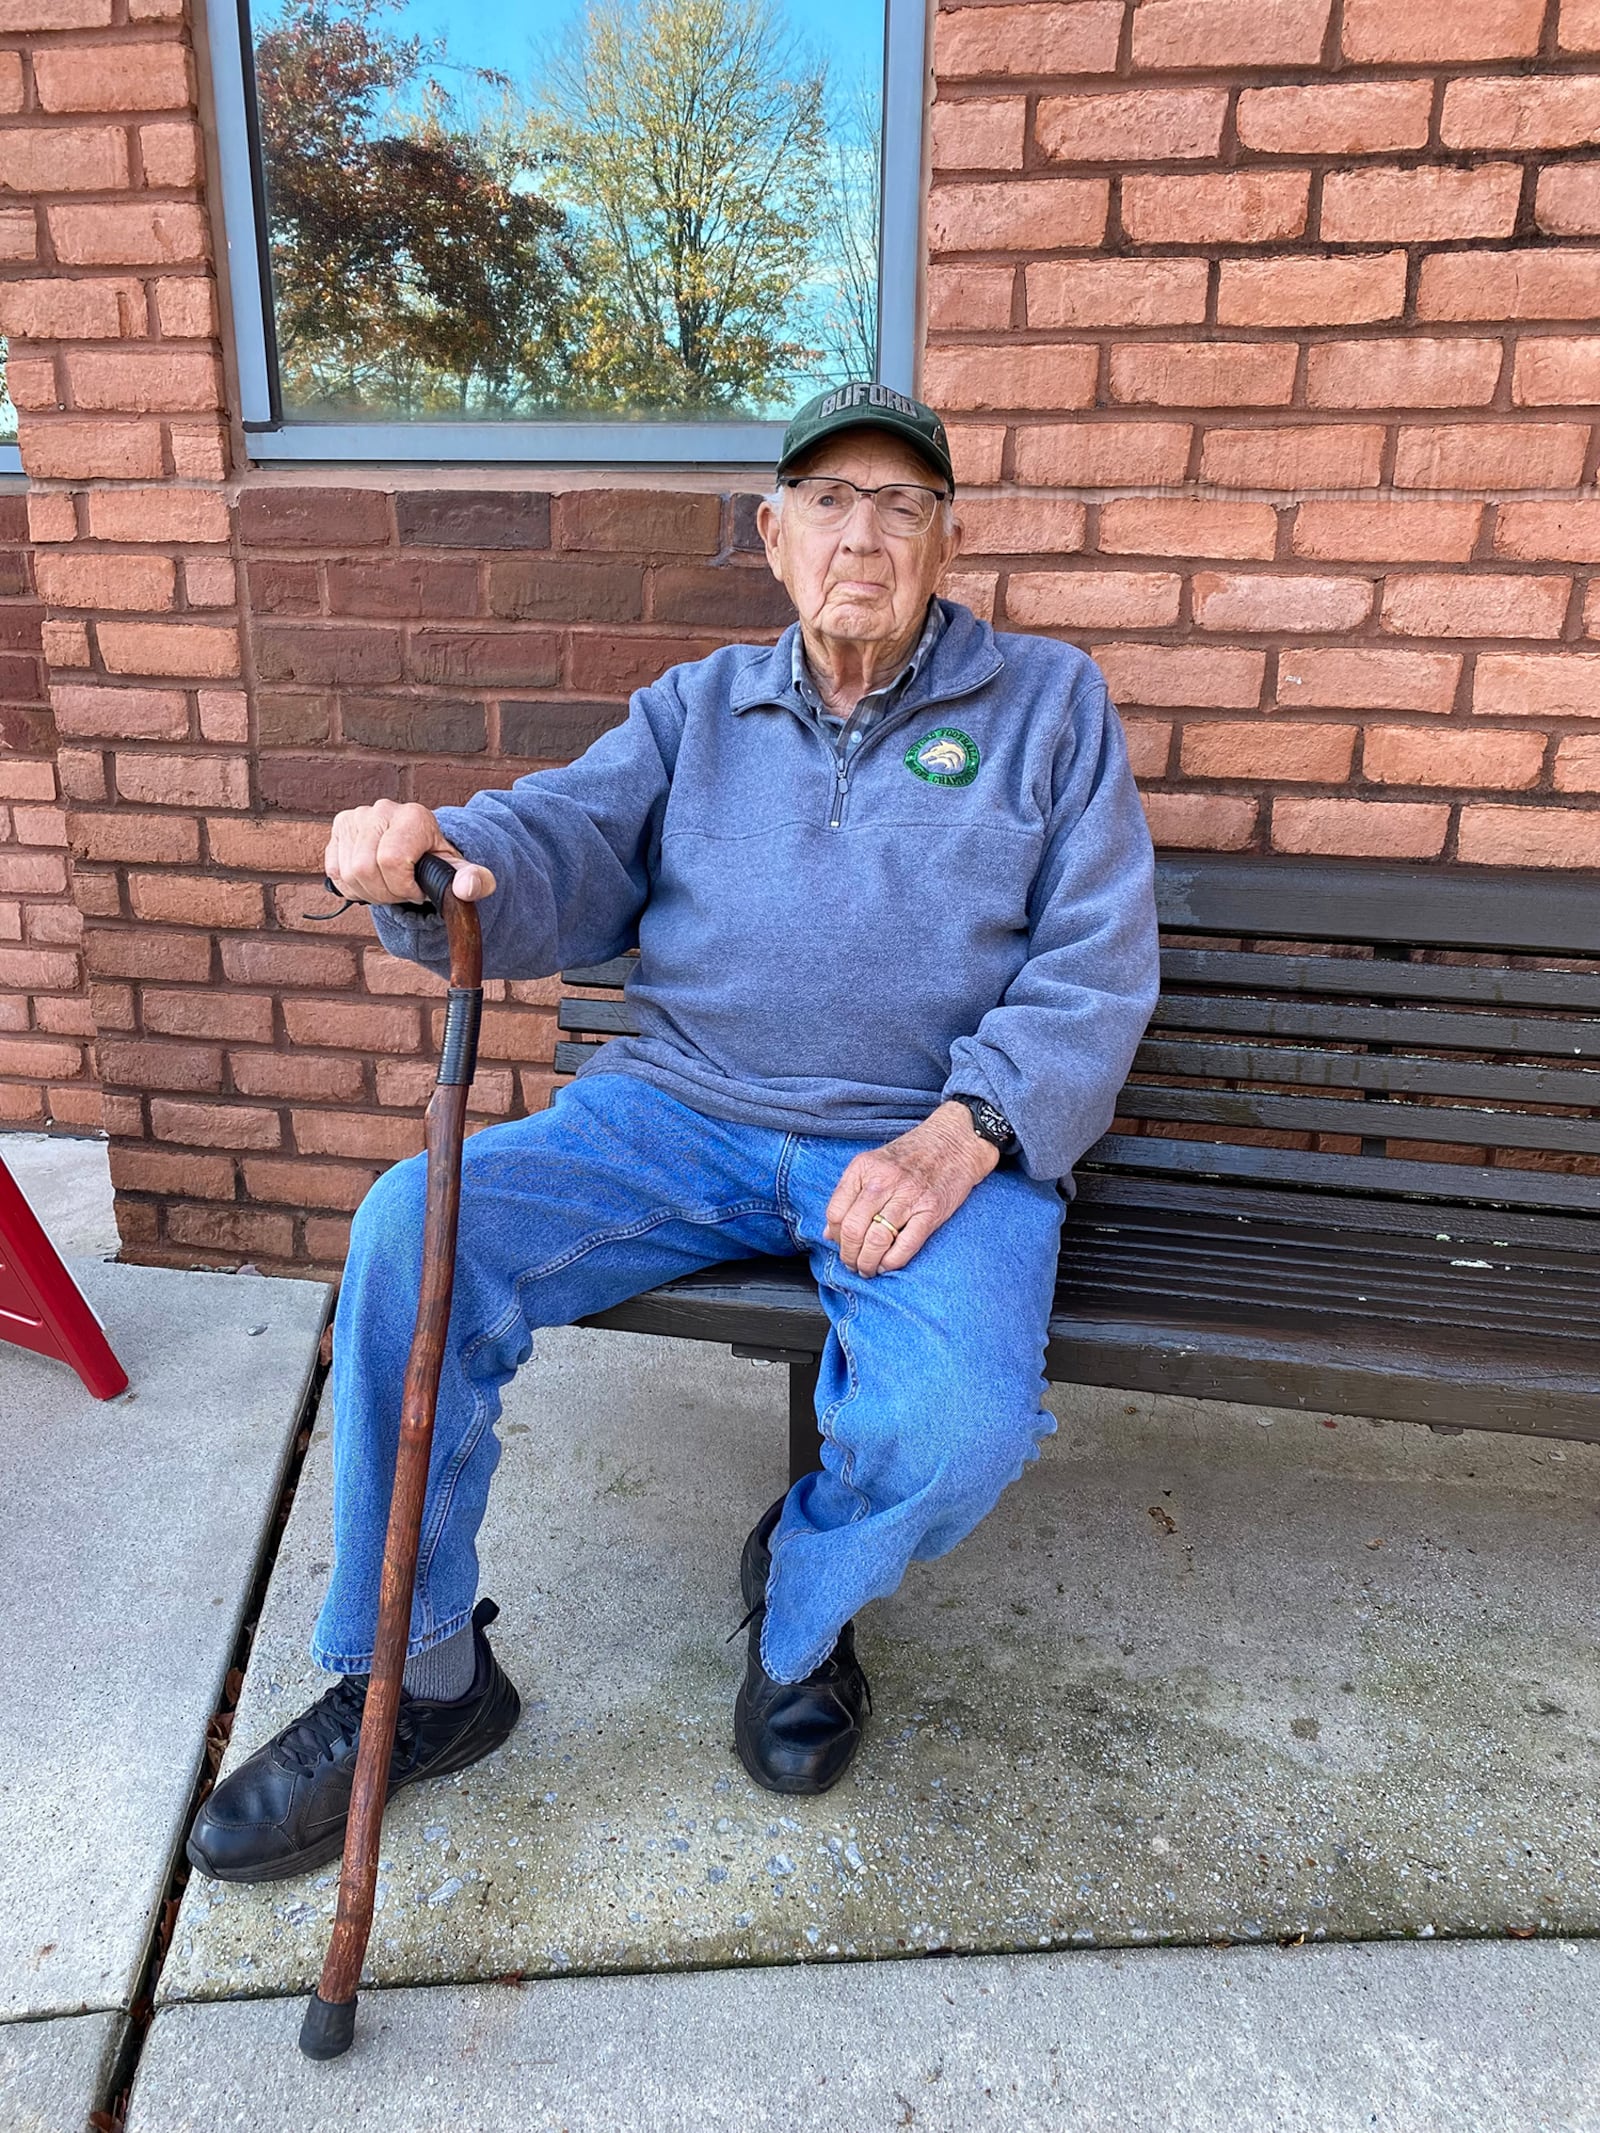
[[876, 702]]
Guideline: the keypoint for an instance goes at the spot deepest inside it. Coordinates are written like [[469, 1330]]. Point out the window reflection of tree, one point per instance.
[[679, 214]]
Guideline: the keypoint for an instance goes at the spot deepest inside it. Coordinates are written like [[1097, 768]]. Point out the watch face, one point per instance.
[[992, 1124]]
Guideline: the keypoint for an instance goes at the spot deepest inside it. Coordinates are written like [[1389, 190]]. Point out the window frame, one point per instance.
[[11, 448], [272, 439]]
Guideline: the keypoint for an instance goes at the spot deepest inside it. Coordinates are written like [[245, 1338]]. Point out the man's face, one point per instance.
[[853, 581]]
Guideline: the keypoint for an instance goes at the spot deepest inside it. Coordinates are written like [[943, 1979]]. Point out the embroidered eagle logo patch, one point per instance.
[[947, 756]]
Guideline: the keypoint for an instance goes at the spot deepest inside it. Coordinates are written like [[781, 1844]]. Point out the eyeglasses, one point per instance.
[[903, 507]]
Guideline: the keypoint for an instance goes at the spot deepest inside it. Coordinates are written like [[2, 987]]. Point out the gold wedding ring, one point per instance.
[[888, 1225]]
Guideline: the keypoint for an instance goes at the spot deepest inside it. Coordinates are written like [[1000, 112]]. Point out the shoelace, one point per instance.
[[333, 1723]]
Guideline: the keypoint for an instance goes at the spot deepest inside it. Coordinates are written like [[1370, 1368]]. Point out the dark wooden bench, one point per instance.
[[1355, 1169]]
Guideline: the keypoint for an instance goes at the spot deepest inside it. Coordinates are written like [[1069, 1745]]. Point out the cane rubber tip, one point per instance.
[[329, 2027]]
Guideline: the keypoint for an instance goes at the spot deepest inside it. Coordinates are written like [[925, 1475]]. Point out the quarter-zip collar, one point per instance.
[[873, 701], [964, 657]]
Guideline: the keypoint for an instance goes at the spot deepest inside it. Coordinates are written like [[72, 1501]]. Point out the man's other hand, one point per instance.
[[372, 852], [916, 1181]]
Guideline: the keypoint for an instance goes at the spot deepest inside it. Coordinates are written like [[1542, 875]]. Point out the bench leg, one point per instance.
[[805, 1439]]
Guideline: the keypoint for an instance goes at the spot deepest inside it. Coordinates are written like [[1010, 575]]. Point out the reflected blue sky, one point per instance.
[[507, 34]]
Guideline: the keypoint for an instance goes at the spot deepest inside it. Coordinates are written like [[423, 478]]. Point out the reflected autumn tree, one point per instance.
[[677, 216], [413, 266], [691, 138]]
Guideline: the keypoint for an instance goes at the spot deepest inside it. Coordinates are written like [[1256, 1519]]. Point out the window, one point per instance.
[[10, 457], [624, 230]]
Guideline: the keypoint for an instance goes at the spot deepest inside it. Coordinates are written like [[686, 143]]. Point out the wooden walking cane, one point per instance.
[[330, 2018]]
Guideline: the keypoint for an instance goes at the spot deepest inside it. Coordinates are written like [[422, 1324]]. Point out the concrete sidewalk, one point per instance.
[[1204, 1673], [54, 2073], [1465, 2037], [129, 1544]]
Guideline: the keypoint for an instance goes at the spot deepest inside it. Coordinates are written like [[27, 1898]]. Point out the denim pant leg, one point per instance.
[[616, 1188], [929, 1398]]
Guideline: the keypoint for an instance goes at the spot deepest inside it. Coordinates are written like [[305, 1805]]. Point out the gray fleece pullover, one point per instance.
[[832, 948]]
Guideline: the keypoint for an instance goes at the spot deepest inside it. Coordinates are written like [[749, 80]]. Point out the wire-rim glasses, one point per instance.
[[902, 507]]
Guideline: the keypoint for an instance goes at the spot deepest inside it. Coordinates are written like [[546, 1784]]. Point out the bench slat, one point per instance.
[[570, 1057], [1499, 1386], [1177, 1288], [1435, 1181], [613, 973], [1301, 1238], [1379, 978], [1576, 990], [1452, 1124], [1557, 1240], [1390, 1073], [1427, 1029], [1298, 1240], [1512, 910], [1426, 1296], [616, 1018], [1221, 1300]]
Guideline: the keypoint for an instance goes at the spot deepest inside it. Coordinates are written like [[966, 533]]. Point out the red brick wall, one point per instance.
[[46, 1063], [416, 643], [1272, 330], [1218, 303]]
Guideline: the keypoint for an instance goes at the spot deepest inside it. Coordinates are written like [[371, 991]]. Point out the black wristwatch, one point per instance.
[[990, 1123]]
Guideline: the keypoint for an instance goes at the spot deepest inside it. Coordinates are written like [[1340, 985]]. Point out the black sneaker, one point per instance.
[[284, 1809], [794, 1736]]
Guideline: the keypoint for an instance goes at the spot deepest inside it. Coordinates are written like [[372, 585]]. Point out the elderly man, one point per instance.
[[892, 891]]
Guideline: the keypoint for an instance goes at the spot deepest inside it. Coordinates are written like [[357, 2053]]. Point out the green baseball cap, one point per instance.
[[861, 405]]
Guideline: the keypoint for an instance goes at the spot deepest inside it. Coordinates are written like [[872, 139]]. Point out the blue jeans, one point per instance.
[[929, 1395]]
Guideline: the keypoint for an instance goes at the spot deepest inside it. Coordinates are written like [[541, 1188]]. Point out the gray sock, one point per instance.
[[445, 1672]]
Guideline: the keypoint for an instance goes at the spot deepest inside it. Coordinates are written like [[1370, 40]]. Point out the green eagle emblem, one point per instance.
[[946, 756]]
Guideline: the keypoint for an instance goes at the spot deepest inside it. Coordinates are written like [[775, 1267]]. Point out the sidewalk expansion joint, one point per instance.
[[218, 1727]]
